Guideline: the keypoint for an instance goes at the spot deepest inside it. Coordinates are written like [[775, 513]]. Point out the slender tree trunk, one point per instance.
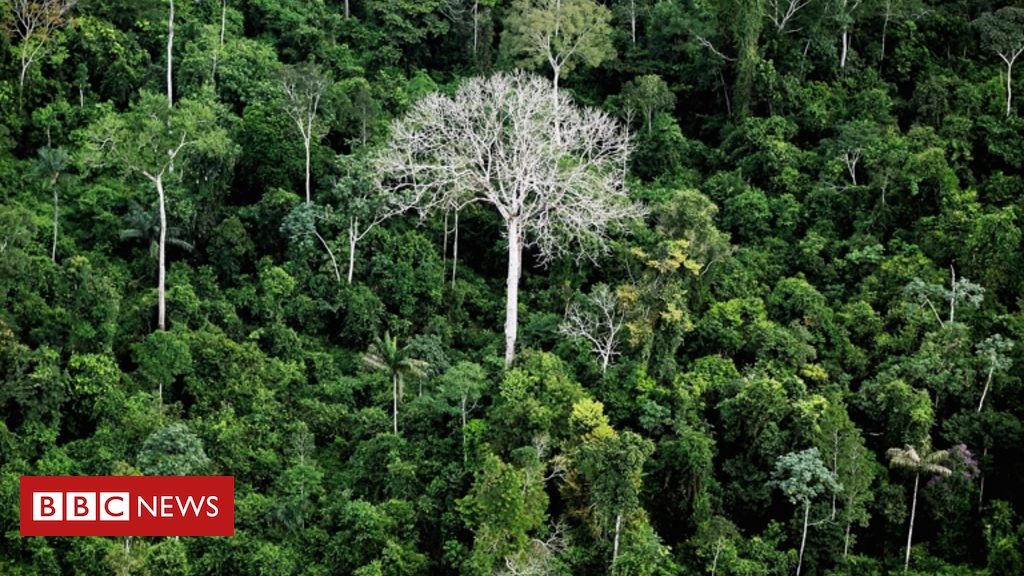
[[554, 102], [1009, 88], [803, 539], [910, 533], [220, 46], [885, 28], [981, 403], [334, 261], [306, 142], [845, 49], [835, 468], [455, 248], [170, 57], [161, 315], [347, 11], [618, 532], [394, 401], [444, 248], [465, 458], [714, 563], [512, 289], [56, 216], [632, 19], [351, 255], [604, 363], [476, 27], [846, 541]]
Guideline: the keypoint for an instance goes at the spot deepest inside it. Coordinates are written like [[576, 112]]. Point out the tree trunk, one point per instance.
[[455, 248], [910, 533], [846, 541], [554, 102], [846, 47], [216, 54], [618, 532], [803, 539], [464, 456], [1009, 87], [632, 19], [604, 363], [161, 314], [352, 239], [56, 214], [347, 12], [476, 27], [306, 142], [170, 61], [981, 403], [718, 550], [515, 255], [394, 400], [334, 262]]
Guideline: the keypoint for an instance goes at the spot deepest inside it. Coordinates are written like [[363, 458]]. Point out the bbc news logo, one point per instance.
[[127, 505]]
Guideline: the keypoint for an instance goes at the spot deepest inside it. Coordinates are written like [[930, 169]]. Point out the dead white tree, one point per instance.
[[782, 12], [494, 142], [304, 86], [33, 23], [170, 55], [598, 319]]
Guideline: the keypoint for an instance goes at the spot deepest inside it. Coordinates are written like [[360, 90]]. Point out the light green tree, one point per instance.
[[157, 143], [558, 33], [802, 477], [648, 95]]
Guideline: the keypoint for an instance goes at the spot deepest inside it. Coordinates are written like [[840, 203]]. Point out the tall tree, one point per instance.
[[802, 477], [1002, 32], [304, 86], [926, 461], [648, 95], [494, 142], [51, 165], [157, 143], [385, 355], [33, 23], [170, 54], [994, 353], [363, 204], [559, 34]]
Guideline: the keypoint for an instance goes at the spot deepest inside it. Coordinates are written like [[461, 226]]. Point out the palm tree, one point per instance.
[[50, 166], [385, 355], [144, 226], [928, 462]]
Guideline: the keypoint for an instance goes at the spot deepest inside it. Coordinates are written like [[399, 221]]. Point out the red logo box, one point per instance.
[[127, 505]]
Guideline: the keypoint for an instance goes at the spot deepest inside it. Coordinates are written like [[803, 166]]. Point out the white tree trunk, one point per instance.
[[910, 533], [220, 46], [161, 315], [718, 550], [306, 142], [618, 532], [984, 392], [1009, 87], [394, 401], [351, 253], [56, 213], [455, 248], [465, 458], [846, 541], [803, 539], [515, 254], [170, 61], [334, 261], [846, 47], [632, 19]]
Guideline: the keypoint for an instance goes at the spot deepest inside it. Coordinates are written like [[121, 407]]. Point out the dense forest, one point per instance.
[[520, 287]]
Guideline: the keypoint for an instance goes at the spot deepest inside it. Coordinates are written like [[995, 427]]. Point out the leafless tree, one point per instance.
[[782, 12], [33, 24], [494, 142], [304, 87], [598, 320]]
